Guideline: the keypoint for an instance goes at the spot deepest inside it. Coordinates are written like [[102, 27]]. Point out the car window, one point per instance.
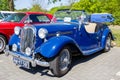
[[39, 18], [16, 17], [103, 16], [109, 17]]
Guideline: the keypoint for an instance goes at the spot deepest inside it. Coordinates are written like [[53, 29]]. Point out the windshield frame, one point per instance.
[[74, 17]]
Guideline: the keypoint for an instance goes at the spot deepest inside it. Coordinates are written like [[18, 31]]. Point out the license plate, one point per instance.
[[21, 62]]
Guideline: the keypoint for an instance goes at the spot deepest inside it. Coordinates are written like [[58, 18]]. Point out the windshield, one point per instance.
[[1, 16], [70, 16], [6, 14], [16, 17], [110, 17]]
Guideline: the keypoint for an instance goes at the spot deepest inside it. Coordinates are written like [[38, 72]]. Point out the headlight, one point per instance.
[[28, 51], [42, 33], [17, 30], [14, 47]]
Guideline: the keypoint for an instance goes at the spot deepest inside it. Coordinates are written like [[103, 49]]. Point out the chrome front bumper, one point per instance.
[[33, 62]]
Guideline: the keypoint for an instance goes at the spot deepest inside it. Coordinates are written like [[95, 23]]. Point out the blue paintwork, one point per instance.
[[87, 43], [105, 34], [51, 47], [101, 17], [14, 40], [53, 28]]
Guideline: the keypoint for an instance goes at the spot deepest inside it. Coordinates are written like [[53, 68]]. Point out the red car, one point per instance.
[[20, 19]]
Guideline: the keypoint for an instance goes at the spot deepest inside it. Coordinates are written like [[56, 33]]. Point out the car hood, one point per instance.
[[56, 27]]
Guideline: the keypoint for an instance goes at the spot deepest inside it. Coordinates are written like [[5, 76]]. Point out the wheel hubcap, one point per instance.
[[2, 44], [64, 60]]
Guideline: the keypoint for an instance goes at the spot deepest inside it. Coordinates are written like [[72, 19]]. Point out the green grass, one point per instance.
[[116, 32]]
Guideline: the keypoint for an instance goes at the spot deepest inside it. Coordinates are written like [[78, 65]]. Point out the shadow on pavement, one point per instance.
[[2, 53], [82, 59], [76, 60], [43, 71]]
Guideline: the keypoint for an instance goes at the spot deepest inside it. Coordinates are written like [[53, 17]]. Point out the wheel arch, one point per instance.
[[51, 48], [106, 33], [74, 49], [4, 42], [112, 37], [6, 37]]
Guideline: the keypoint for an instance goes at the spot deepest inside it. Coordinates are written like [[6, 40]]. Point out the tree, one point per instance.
[[7, 5], [53, 1], [36, 6], [11, 5], [100, 6], [53, 10], [23, 10], [4, 5]]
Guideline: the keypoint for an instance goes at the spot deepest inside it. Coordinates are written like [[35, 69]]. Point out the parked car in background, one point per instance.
[[53, 45], [4, 14], [20, 19], [101, 17]]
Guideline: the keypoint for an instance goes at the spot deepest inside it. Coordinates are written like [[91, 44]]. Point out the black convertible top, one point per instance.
[[70, 10]]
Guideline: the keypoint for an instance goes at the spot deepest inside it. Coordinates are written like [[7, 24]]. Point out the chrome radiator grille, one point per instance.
[[27, 38]]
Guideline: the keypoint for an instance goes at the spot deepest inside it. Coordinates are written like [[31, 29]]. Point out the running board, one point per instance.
[[89, 52]]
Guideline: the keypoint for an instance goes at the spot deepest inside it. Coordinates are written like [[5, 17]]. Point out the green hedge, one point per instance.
[[116, 32]]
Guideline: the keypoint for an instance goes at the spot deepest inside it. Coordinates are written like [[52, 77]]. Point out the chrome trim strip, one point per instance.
[[61, 33], [67, 32], [33, 61]]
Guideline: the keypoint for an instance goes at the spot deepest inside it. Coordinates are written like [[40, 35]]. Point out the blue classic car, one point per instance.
[[53, 45]]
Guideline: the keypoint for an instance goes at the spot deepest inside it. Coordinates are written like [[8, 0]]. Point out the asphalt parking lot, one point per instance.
[[100, 66]]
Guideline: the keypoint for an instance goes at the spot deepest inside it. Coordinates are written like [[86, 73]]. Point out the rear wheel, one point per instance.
[[107, 44], [62, 63], [2, 43]]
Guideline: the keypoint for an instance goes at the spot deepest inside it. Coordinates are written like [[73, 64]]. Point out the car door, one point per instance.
[[85, 40]]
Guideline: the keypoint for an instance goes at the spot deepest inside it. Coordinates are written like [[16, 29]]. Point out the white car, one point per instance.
[[4, 14]]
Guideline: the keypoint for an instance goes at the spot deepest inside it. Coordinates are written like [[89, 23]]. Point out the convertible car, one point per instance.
[[53, 45], [20, 19]]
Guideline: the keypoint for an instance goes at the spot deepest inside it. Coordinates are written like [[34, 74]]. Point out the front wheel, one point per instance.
[[62, 63], [107, 44], [2, 43]]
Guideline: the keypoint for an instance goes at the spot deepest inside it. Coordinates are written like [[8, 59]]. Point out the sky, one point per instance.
[[20, 4]]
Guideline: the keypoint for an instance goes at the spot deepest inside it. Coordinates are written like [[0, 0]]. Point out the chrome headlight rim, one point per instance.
[[42, 33], [17, 30], [28, 51], [14, 47]]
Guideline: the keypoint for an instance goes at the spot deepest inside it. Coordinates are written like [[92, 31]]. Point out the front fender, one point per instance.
[[14, 39], [106, 32], [52, 47]]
